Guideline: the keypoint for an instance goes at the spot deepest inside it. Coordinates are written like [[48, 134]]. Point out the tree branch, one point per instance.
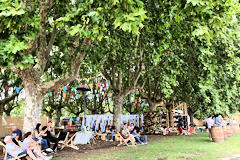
[[54, 84]]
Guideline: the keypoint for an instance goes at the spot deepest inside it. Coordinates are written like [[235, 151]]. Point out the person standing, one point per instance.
[[210, 123]]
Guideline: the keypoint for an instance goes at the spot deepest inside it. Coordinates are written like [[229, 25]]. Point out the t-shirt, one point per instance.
[[209, 123], [10, 147], [217, 121], [25, 145], [16, 133]]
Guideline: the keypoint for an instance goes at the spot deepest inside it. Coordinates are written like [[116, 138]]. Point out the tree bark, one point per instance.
[[33, 100], [1, 109], [117, 111], [191, 115]]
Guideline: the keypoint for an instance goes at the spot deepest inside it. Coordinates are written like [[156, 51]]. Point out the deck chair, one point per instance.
[[69, 143], [125, 141], [6, 153], [65, 140]]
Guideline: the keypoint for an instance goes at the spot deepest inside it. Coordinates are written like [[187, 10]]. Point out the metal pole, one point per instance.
[[85, 105]]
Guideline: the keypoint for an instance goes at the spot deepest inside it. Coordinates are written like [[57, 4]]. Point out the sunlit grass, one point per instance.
[[172, 148]]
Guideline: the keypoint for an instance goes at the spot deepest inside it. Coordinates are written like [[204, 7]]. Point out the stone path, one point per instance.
[[234, 157]]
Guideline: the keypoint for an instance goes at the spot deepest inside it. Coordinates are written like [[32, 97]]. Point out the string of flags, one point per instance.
[[99, 85]]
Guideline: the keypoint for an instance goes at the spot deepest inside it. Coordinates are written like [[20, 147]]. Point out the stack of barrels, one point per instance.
[[220, 133]]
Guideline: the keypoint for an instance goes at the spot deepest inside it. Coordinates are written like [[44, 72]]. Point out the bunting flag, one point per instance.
[[77, 96], [104, 95], [68, 87], [142, 105], [55, 91], [105, 84], [82, 85], [110, 94], [138, 104], [135, 91], [109, 83], [97, 95], [97, 85], [64, 88], [61, 89], [17, 89], [91, 86], [135, 101], [70, 95], [57, 95], [74, 88], [6, 88], [50, 93], [64, 95], [131, 101], [90, 96]]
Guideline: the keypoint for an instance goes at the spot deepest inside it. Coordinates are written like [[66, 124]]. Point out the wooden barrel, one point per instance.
[[217, 134], [229, 131], [225, 133], [235, 128]]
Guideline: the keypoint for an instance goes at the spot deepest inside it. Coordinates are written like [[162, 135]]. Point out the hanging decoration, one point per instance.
[[70, 95], [17, 89], [90, 86], [64, 88], [105, 84], [6, 88], [50, 94], [64, 95]]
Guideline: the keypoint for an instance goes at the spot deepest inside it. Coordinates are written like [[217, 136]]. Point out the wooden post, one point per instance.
[[167, 119]]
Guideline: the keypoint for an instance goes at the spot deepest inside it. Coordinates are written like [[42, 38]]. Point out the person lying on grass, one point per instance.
[[30, 144], [15, 151], [141, 139], [125, 138]]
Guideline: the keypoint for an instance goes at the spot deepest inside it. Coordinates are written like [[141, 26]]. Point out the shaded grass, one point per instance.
[[180, 147]]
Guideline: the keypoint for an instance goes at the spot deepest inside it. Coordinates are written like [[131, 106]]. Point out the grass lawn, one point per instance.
[[171, 148]]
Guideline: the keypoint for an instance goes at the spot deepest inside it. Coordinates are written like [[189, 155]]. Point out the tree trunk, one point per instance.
[[33, 102], [1, 109], [117, 111], [59, 113], [191, 115]]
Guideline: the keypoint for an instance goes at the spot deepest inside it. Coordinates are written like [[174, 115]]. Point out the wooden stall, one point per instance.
[[165, 115]]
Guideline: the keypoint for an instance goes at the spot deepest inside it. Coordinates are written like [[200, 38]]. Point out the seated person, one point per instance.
[[15, 151], [131, 127], [126, 137], [112, 131], [180, 129], [141, 139], [125, 128], [30, 144], [50, 137], [165, 130], [16, 134], [69, 127], [191, 130], [37, 136]]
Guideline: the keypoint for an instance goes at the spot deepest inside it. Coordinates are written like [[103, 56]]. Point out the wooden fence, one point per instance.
[[5, 129]]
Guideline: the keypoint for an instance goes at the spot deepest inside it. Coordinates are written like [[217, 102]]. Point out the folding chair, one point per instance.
[[65, 140], [125, 141], [6, 155], [71, 145]]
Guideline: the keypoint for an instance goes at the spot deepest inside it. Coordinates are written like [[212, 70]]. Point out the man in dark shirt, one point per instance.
[[16, 134], [50, 135]]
